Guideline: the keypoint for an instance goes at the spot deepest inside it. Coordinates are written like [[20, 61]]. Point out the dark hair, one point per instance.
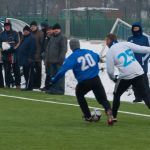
[[112, 37], [27, 28]]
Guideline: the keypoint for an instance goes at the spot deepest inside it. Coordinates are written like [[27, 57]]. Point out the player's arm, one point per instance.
[[110, 65], [68, 64], [137, 48]]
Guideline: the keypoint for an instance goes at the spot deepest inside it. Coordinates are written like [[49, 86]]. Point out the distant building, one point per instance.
[[95, 12]]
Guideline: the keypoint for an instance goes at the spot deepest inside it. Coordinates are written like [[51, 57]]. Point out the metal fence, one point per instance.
[[86, 27]]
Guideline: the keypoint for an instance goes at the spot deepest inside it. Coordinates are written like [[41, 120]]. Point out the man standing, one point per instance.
[[9, 55], [56, 51], [84, 64], [49, 34], [1, 65], [140, 39], [1, 73], [131, 73], [38, 54], [26, 57]]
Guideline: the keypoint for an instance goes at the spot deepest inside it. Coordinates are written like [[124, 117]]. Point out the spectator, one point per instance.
[[38, 54], [26, 55], [44, 26], [1, 65], [56, 51], [142, 40], [9, 55], [1, 73], [49, 33]]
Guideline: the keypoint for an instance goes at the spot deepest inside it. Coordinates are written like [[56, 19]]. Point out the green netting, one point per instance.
[[89, 26]]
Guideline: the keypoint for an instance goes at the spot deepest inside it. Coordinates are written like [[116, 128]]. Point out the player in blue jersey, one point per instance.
[[84, 64]]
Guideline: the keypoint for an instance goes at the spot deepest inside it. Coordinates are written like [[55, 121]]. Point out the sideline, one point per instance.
[[68, 104]]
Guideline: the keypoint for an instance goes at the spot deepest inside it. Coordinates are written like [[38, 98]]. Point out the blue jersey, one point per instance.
[[84, 64]]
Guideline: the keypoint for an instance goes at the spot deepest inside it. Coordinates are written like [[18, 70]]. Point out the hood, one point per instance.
[[137, 33]]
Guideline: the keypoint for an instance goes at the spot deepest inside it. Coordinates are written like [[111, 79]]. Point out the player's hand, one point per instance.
[[116, 78]]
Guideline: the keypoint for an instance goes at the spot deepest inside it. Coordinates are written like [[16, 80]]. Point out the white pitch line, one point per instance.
[[68, 104]]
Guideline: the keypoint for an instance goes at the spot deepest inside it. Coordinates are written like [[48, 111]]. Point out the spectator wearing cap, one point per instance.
[[56, 51], [49, 34], [26, 56], [44, 27], [38, 54], [10, 55]]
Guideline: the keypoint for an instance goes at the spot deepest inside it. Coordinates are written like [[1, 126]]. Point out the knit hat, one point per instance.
[[34, 23], [74, 44], [7, 23], [44, 24], [26, 28], [56, 26]]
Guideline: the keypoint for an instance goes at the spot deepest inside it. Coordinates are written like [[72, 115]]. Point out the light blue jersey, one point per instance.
[[121, 55], [84, 64]]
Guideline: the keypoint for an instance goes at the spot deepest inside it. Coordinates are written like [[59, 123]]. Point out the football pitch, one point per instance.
[[38, 121]]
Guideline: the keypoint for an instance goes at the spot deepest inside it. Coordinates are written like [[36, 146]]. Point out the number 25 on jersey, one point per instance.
[[128, 57]]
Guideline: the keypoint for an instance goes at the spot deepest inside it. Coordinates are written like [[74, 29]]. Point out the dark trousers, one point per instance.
[[37, 74], [136, 93], [96, 86], [59, 86], [1, 76], [48, 77], [122, 85], [9, 69], [28, 72]]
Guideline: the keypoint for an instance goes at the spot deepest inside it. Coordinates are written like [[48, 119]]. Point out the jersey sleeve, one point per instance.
[[137, 48], [68, 64], [110, 65]]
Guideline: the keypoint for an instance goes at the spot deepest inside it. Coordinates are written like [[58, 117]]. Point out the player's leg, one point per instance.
[[120, 87], [81, 89], [138, 97], [140, 83], [101, 97], [100, 94]]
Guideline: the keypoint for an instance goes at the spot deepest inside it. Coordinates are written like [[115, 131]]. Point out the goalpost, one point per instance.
[[122, 30]]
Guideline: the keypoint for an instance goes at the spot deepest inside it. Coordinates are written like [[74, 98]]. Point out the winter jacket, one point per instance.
[[39, 41], [1, 56], [12, 38], [56, 49], [142, 40], [26, 51]]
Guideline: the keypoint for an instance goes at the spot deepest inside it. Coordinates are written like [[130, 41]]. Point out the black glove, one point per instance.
[[116, 78]]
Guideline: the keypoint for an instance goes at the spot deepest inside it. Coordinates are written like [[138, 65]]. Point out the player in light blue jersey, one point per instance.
[[121, 56], [84, 64]]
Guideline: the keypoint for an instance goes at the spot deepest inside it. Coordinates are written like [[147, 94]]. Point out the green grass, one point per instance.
[[28, 125]]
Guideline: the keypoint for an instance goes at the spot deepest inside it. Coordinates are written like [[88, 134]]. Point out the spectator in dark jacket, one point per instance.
[[56, 51], [10, 54], [1, 65], [142, 40], [26, 57], [38, 54], [49, 34], [1, 73]]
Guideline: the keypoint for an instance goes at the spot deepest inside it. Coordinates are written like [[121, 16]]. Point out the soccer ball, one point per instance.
[[96, 114]]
